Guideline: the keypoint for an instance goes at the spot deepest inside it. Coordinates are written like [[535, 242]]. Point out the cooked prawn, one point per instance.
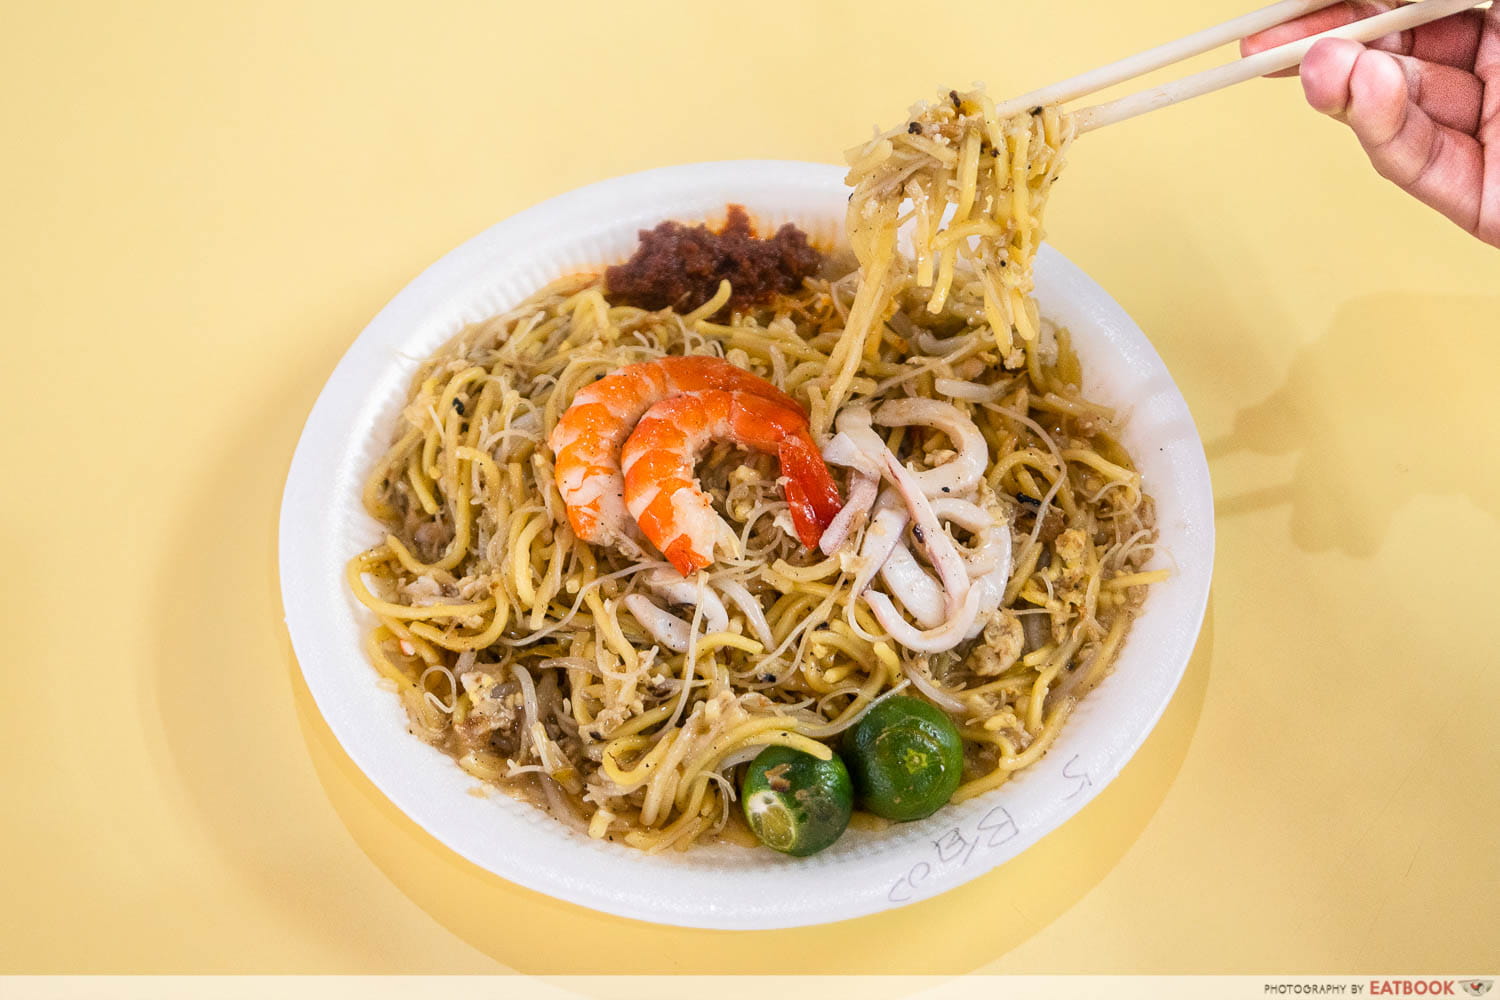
[[662, 492], [588, 437]]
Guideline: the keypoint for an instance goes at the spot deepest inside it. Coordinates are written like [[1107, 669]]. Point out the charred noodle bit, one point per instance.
[[594, 679]]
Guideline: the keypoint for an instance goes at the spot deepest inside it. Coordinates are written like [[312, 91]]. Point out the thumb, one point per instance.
[[1327, 78], [1369, 91]]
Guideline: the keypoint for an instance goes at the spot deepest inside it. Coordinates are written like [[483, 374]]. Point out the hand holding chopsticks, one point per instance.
[[1272, 60], [1424, 104], [1428, 115]]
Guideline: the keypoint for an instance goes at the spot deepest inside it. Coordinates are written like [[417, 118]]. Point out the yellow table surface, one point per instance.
[[206, 202]]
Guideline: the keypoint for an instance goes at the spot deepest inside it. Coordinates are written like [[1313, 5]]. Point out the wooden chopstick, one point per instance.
[[1163, 55], [1270, 61]]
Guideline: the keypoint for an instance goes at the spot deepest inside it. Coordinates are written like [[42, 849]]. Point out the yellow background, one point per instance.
[[206, 202]]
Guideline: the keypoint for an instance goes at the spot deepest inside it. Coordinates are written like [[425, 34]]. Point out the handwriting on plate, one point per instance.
[[1082, 777], [957, 848]]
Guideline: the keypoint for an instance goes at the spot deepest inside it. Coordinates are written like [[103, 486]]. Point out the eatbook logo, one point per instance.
[[1477, 987]]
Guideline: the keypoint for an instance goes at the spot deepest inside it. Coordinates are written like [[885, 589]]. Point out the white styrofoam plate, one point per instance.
[[323, 525]]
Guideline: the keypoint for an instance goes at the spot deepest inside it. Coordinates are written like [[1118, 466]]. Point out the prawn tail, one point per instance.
[[811, 494], [684, 558]]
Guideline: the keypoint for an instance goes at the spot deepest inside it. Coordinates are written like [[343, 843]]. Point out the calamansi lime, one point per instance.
[[906, 758], [794, 802]]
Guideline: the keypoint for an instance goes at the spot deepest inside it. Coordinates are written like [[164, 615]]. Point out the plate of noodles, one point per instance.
[[758, 543]]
